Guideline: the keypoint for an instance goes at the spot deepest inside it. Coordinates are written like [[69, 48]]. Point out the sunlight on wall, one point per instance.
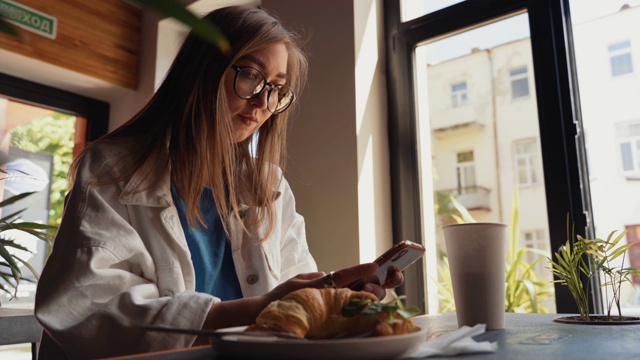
[[426, 187], [366, 44]]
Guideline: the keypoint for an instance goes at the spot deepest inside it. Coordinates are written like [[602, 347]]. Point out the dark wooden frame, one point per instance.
[[96, 112], [557, 99]]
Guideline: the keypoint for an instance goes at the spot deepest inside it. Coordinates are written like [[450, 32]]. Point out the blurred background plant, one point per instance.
[[171, 8], [524, 291], [10, 261]]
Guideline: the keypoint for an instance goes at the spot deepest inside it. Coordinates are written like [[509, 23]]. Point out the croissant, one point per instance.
[[316, 314]]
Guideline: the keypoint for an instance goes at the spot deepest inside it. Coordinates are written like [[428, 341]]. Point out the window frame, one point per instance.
[[461, 173], [519, 77], [532, 160], [96, 112], [633, 141], [561, 141], [619, 53], [461, 96]]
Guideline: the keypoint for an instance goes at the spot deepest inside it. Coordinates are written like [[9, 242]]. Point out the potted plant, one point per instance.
[[582, 259], [10, 264]]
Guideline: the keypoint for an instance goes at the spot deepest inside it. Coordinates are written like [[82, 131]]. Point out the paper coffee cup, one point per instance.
[[477, 254]]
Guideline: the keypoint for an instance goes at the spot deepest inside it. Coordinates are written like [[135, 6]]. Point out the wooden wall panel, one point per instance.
[[99, 38]]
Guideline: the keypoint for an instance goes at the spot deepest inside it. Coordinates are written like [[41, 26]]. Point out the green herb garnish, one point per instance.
[[391, 310]]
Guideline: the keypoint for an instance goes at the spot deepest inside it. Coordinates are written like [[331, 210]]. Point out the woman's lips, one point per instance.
[[248, 120]]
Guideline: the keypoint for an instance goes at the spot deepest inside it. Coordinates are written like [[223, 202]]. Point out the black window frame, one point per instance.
[[562, 146], [96, 112]]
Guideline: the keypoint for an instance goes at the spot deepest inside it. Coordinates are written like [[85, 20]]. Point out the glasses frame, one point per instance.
[[265, 83]]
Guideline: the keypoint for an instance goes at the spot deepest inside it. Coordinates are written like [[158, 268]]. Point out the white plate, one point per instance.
[[372, 348]]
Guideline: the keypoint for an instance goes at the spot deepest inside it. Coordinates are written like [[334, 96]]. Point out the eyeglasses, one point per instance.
[[249, 83]]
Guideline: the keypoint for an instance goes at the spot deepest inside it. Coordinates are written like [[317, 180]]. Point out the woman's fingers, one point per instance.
[[394, 278], [348, 275], [375, 289], [310, 276]]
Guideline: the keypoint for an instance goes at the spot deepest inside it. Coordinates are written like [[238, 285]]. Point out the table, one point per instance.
[[18, 326], [526, 336]]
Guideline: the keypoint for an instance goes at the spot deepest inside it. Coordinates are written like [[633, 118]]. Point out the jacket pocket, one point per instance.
[[273, 259]]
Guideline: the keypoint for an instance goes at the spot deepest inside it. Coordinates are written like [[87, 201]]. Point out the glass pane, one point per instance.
[[411, 9], [627, 159], [605, 44], [37, 147], [503, 136]]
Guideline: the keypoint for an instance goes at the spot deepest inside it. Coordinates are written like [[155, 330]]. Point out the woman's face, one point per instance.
[[249, 115]]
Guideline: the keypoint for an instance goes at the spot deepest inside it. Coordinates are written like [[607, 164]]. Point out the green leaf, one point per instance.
[[13, 244], [7, 220], [200, 27], [354, 307], [28, 266], [15, 198], [466, 216], [9, 29], [409, 312], [15, 270]]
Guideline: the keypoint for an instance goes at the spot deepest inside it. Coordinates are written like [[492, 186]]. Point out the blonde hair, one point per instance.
[[190, 114]]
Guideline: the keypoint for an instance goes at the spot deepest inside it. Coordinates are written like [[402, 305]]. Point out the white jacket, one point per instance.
[[121, 261]]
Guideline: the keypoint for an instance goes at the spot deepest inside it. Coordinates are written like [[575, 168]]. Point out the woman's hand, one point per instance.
[[244, 311], [359, 277], [371, 283], [319, 280]]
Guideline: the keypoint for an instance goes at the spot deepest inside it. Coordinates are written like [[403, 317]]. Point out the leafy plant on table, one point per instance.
[[604, 253], [588, 257], [571, 263]]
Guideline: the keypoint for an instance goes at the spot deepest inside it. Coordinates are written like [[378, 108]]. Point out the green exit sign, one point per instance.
[[29, 19]]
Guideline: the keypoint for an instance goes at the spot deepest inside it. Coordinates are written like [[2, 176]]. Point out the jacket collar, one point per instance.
[[159, 195]]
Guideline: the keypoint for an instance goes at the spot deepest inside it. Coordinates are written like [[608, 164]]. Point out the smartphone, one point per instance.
[[401, 255]]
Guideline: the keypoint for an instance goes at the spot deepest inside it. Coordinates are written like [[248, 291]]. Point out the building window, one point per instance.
[[465, 172], [620, 57], [519, 83], [459, 94], [628, 136], [527, 160], [535, 239]]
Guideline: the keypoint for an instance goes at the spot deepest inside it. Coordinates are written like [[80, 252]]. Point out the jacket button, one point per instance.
[[167, 293], [252, 279]]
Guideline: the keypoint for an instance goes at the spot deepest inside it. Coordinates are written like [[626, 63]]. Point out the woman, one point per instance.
[[181, 216]]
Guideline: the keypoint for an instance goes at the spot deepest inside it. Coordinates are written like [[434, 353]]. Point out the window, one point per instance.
[[519, 83], [478, 139], [527, 160], [459, 94], [465, 172], [608, 113], [620, 58], [412, 9], [572, 95], [535, 239], [43, 129], [511, 48], [629, 142]]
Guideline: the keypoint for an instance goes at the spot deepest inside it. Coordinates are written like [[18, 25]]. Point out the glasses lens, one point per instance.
[[249, 82], [280, 98]]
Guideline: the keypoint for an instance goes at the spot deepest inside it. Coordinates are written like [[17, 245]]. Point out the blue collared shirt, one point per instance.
[[210, 250]]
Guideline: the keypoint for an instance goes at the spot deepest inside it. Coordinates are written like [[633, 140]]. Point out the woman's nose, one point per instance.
[[260, 101]]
